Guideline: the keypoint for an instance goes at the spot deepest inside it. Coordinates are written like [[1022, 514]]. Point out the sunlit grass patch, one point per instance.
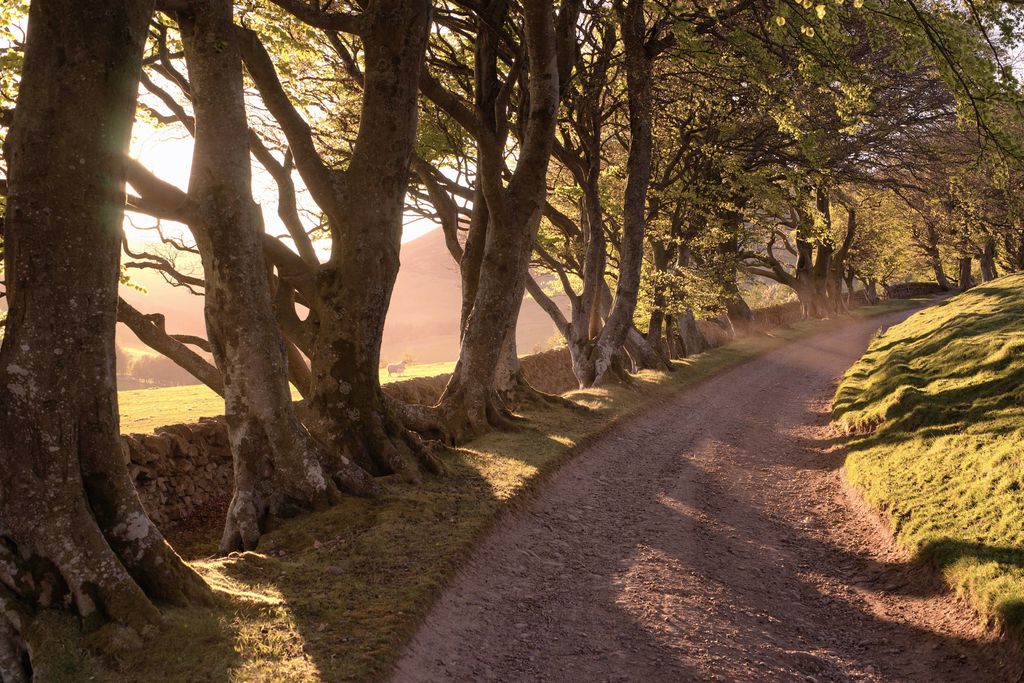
[[333, 596], [937, 406], [143, 410]]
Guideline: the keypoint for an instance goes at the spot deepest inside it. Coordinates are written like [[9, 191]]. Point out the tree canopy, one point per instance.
[[634, 166]]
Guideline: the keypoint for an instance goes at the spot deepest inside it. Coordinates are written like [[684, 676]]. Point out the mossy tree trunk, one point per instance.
[[987, 260], [966, 273], [279, 468], [496, 262], [364, 203], [601, 362], [73, 532]]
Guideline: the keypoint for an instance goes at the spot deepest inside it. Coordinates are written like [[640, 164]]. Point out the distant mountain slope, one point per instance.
[[426, 305], [423, 319]]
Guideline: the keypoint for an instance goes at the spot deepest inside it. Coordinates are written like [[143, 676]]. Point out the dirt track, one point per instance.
[[710, 539]]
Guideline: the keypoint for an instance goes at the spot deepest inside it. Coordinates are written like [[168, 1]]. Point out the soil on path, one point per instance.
[[710, 539]]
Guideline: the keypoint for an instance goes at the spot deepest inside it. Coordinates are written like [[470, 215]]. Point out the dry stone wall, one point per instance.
[[183, 472]]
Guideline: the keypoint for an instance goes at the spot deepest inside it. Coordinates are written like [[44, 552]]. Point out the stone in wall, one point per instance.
[[181, 470]]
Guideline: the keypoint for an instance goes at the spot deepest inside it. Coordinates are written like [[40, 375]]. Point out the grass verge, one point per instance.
[[333, 596], [936, 412]]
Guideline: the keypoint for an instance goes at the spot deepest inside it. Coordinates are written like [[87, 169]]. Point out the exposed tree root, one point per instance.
[[56, 556], [464, 414], [274, 479], [518, 392], [349, 477], [162, 573], [423, 420], [464, 424], [378, 440], [133, 537], [256, 510], [15, 660]]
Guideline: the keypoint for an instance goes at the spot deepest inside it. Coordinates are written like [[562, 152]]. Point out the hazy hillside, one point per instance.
[[423, 319], [424, 316]]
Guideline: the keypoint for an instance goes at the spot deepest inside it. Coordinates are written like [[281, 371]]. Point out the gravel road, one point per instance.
[[710, 539]]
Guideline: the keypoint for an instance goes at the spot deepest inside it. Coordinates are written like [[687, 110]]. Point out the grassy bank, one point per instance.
[[938, 402], [143, 410], [332, 596]]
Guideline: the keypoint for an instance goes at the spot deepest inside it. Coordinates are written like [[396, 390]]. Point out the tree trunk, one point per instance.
[[364, 206], [966, 279], [585, 115], [935, 257], [589, 308], [656, 335], [740, 315], [600, 363], [514, 390], [278, 465], [850, 278], [73, 532], [813, 304], [737, 308], [642, 353], [673, 341], [587, 318], [346, 405], [693, 341], [470, 404], [820, 281], [1013, 243], [658, 327], [940, 274], [987, 260], [811, 276], [871, 291], [837, 270]]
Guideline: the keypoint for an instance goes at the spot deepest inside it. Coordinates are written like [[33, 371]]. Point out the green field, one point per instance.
[[938, 406], [143, 410], [332, 596]]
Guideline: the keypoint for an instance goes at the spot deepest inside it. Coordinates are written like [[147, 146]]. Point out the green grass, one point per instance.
[[143, 410], [419, 370], [333, 596], [937, 409]]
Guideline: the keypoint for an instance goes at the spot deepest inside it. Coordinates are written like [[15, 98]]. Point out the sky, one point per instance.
[[167, 151]]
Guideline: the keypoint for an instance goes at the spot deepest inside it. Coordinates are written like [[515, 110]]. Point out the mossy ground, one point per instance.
[[333, 596], [937, 409]]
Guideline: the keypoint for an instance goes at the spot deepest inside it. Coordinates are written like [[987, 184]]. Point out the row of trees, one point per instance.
[[641, 160]]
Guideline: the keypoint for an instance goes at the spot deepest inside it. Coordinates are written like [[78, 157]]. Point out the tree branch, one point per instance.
[[150, 329], [317, 176], [328, 21]]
